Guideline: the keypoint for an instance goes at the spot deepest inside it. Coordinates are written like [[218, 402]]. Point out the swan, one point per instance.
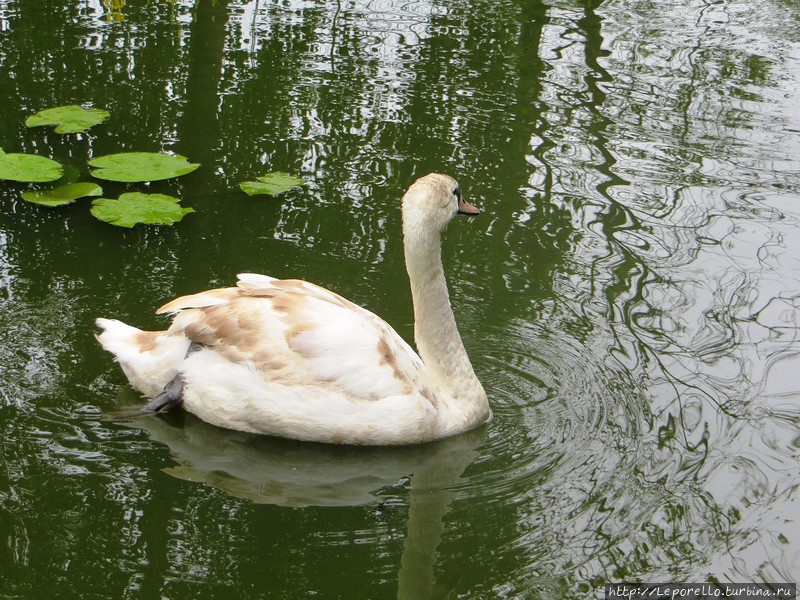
[[291, 359]]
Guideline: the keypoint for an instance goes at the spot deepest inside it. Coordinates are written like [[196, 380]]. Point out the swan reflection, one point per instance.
[[282, 472]]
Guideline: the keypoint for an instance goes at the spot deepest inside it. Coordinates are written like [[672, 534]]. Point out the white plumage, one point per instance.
[[292, 359]]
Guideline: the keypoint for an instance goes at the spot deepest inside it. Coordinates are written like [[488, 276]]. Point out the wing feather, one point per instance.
[[202, 300], [299, 334]]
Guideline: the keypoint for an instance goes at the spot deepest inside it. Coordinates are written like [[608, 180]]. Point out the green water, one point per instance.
[[629, 296]]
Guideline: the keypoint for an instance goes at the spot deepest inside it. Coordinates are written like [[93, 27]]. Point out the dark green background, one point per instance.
[[629, 295]]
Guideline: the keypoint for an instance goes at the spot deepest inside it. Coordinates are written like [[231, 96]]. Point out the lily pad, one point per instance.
[[68, 119], [271, 183], [28, 167], [63, 194], [133, 208], [140, 166]]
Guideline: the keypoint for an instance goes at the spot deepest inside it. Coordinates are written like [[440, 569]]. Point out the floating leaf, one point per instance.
[[63, 194], [68, 119], [134, 207], [271, 183], [140, 166], [28, 167]]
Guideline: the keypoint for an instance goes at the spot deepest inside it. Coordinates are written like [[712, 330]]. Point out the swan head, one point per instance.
[[432, 201]]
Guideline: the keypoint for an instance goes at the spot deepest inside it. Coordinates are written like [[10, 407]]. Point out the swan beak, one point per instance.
[[465, 208]]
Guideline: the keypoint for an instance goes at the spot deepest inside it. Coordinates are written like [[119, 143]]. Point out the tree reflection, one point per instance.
[[628, 293]]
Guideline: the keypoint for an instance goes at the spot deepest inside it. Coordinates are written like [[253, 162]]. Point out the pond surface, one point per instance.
[[629, 296]]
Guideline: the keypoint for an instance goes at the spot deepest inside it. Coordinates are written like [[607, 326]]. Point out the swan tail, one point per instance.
[[149, 359]]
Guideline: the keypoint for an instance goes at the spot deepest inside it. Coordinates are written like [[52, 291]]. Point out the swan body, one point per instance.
[[291, 359]]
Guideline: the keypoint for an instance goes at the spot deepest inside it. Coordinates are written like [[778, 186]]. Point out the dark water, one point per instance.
[[629, 296]]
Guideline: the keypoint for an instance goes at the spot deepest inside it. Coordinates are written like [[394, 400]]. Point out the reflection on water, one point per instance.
[[629, 295], [292, 474], [288, 473]]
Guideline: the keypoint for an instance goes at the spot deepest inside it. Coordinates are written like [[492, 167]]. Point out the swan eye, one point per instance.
[[457, 194]]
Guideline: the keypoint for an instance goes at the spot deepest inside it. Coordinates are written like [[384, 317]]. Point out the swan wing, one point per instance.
[[298, 334]]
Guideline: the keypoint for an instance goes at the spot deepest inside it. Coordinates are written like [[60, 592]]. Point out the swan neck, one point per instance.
[[435, 330]]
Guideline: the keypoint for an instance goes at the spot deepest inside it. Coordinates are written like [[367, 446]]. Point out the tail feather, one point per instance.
[[149, 359]]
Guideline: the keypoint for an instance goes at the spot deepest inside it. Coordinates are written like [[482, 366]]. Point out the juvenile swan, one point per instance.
[[291, 359]]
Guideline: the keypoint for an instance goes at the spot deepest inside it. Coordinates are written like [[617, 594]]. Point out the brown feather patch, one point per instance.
[[389, 358], [147, 340]]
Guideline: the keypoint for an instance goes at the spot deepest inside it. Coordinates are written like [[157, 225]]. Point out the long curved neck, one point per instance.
[[435, 331]]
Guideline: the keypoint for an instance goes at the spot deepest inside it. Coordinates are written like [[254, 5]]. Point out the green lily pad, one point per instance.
[[28, 167], [133, 208], [271, 183], [63, 194], [140, 166], [68, 119]]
